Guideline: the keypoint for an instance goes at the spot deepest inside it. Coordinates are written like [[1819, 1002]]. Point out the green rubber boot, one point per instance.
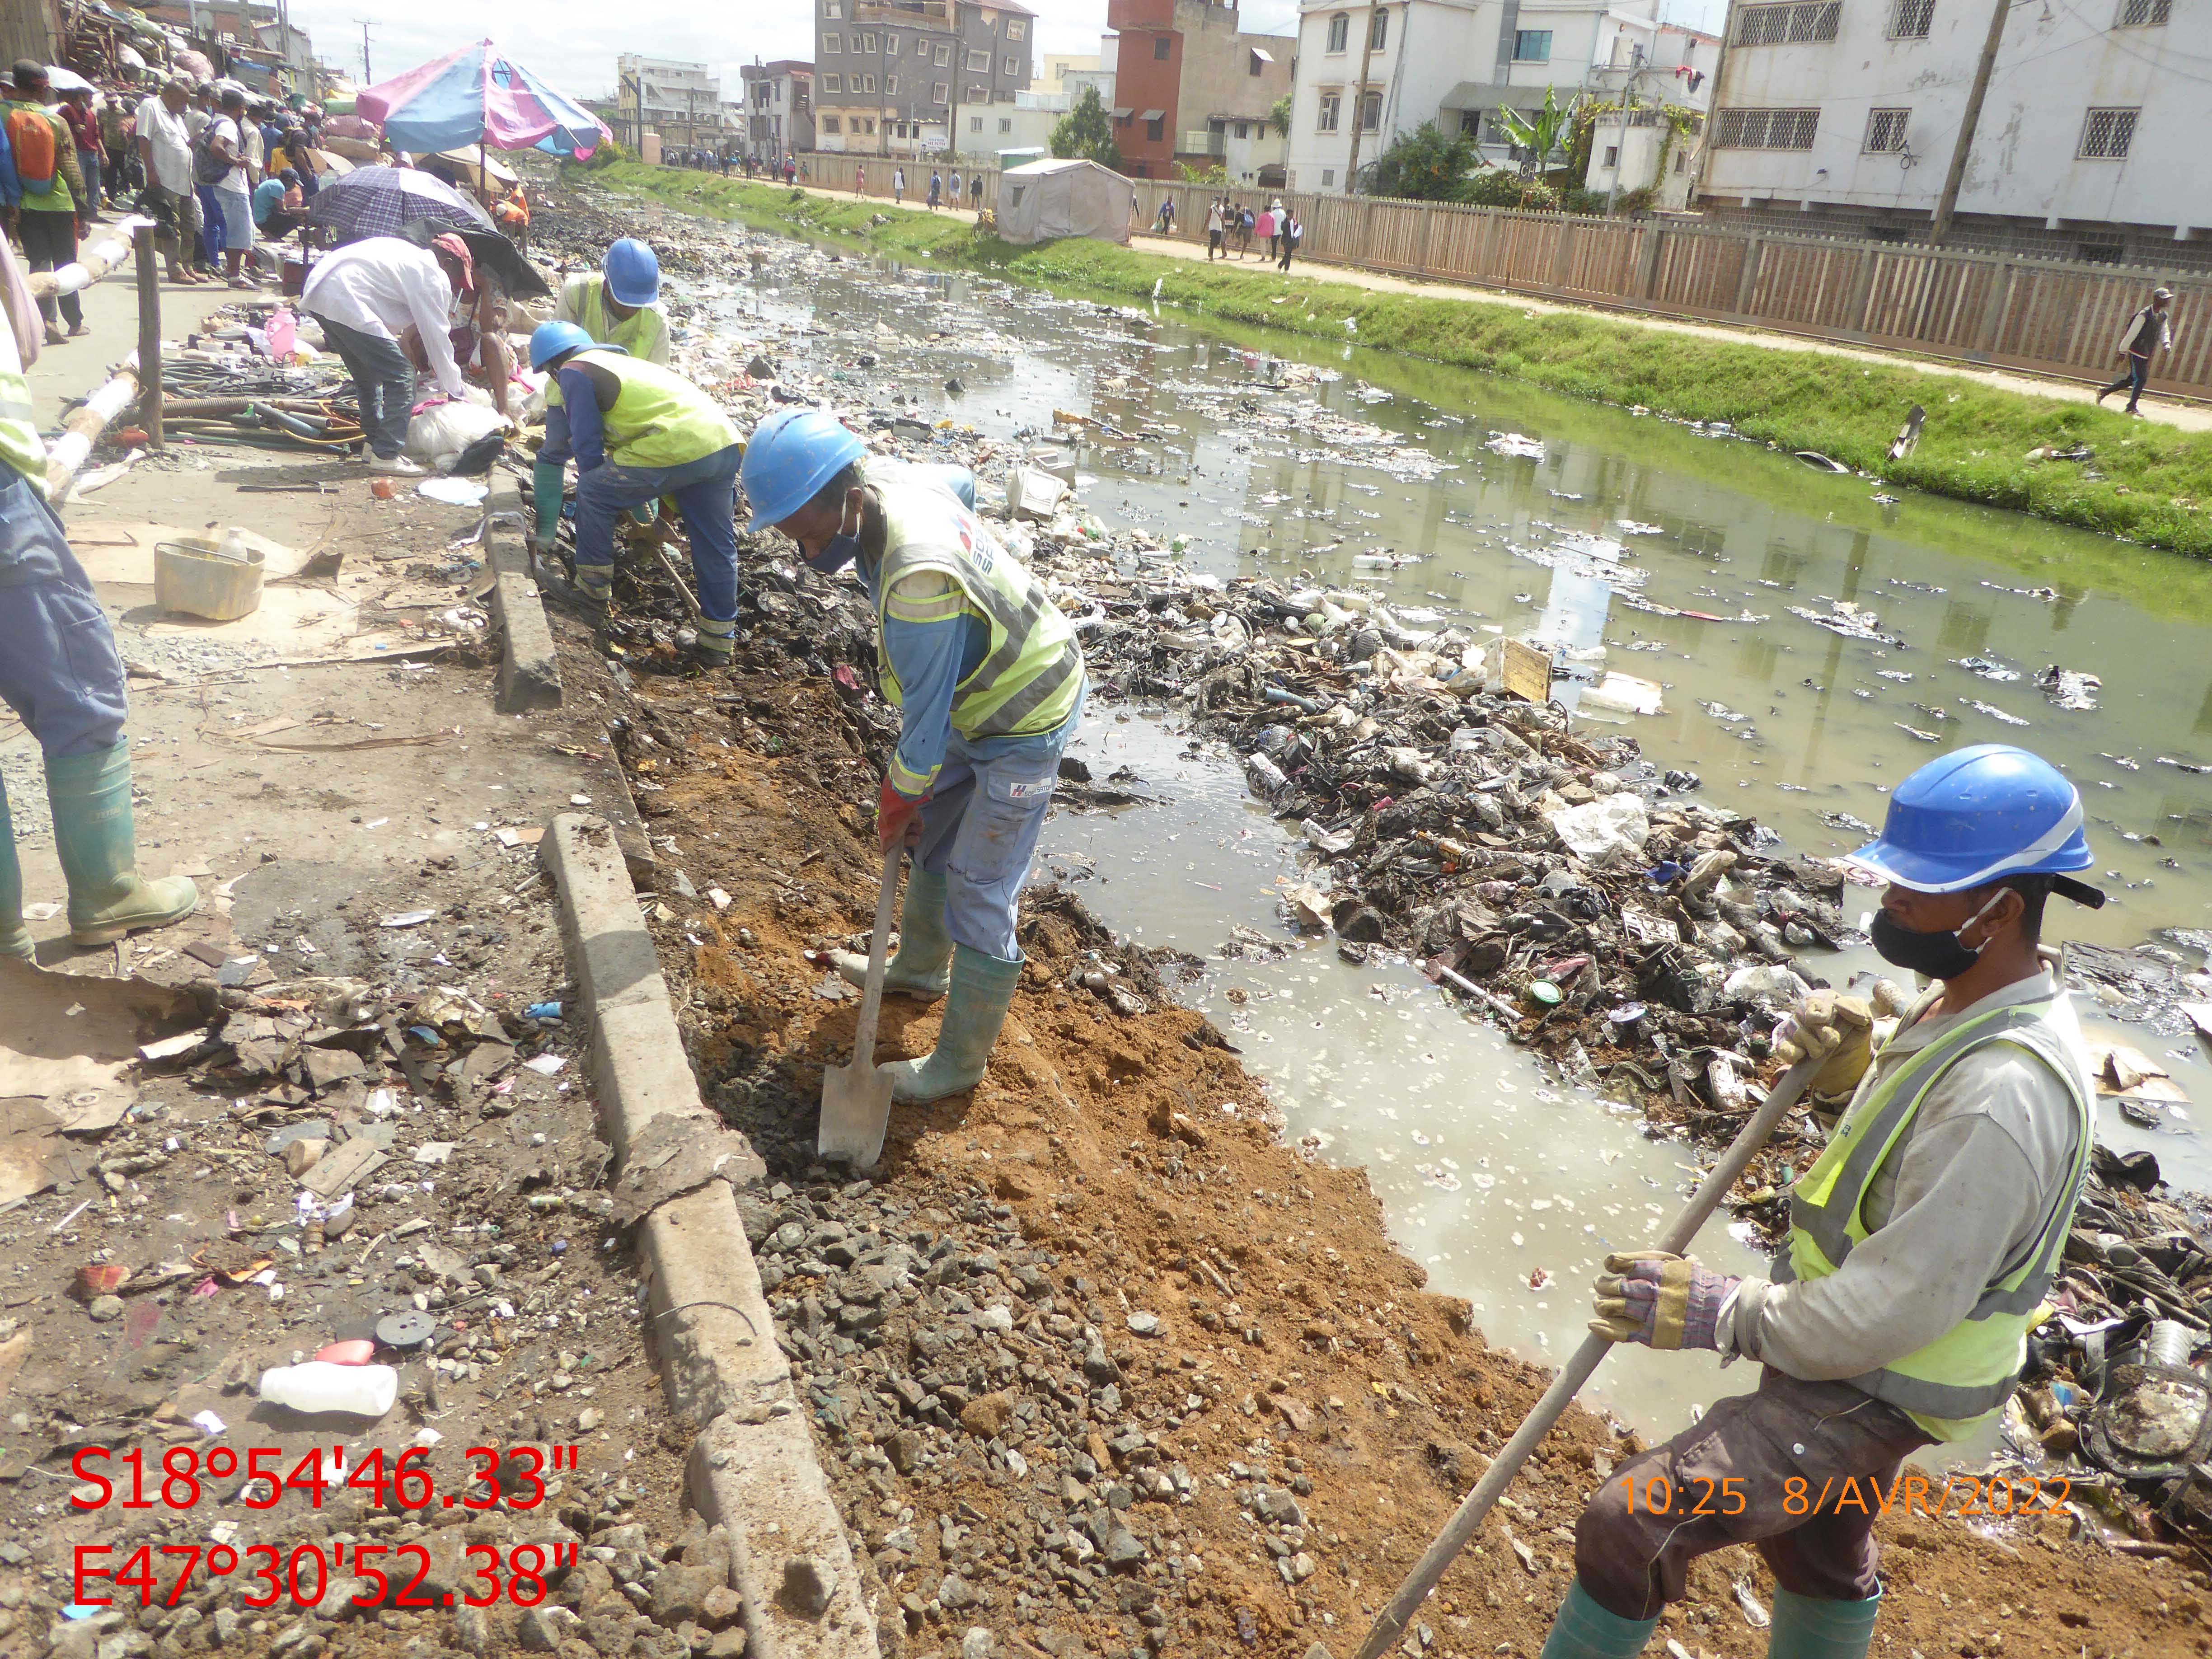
[[917, 968], [15, 937], [982, 989], [108, 898], [546, 496], [1806, 1628], [1582, 1630]]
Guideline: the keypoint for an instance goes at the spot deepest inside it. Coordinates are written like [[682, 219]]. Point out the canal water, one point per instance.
[[1697, 560]]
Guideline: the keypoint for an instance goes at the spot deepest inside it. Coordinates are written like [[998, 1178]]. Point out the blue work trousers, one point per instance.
[[214, 237], [58, 667], [980, 829], [706, 492], [383, 382]]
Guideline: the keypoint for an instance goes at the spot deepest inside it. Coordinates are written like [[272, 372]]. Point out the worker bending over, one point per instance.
[[60, 673], [1921, 1243], [619, 304], [989, 683], [638, 432]]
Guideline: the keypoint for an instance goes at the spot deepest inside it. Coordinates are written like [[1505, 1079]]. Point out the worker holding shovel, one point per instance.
[[990, 682], [1921, 1243]]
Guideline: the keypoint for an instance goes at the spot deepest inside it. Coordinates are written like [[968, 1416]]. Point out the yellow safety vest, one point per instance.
[[659, 418], [643, 333], [1955, 1383], [19, 447], [1032, 674]]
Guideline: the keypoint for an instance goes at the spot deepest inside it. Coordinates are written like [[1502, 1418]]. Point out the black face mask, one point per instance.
[[1940, 955]]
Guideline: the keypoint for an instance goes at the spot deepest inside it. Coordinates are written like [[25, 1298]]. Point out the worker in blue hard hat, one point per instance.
[[1922, 1239], [638, 432], [989, 683], [617, 305]]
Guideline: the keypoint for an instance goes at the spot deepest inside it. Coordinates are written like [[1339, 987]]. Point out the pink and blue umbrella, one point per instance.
[[477, 96]]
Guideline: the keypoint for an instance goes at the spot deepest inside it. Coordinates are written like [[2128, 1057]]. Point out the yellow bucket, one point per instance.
[[191, 576]]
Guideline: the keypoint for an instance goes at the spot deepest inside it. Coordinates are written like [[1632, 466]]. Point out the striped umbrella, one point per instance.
[[475, 95]]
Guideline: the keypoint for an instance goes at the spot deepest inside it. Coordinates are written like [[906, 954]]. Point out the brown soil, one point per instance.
[[1296, 1343]]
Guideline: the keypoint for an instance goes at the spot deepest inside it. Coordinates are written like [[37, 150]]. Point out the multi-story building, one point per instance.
[[1368, 75], [1847, 117], [1055, 68], [682, 102], [777, 110], [1650, 132], [1185, 74], [261, 34], [898, 77]]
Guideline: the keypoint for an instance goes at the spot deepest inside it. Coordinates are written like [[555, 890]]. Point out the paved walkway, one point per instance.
[[2187, 417]]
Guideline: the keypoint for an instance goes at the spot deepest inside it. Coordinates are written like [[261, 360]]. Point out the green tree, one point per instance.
[[1541, 136], [1085, 133], [1425, 165], [1279, 115]]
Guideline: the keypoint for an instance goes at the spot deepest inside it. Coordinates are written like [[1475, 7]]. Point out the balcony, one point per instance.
[[914, 14]]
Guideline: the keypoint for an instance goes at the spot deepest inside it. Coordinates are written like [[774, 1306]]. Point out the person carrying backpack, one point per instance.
[[53, 207]]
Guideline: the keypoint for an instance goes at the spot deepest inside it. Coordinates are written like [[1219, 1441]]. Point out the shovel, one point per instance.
[[1390, 1624], [856, 1099]]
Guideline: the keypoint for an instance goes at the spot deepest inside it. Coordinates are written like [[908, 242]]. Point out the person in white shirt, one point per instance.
[[234, 193], [368, 295], [165, 148]]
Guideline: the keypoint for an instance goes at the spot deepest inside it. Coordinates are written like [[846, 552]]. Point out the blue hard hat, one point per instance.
[[550, 340], [1976, 816], [633, 273], [791, 456]]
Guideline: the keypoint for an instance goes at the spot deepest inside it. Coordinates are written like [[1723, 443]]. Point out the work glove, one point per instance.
[[1661, 1300], [1836, 1030], [898, 817]]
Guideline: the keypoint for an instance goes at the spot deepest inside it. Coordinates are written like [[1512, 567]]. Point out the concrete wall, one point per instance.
[[2025, 169], [1206, 73]]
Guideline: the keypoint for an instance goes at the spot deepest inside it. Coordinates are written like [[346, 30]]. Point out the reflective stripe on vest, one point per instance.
[[1969, 1371], [659, 418], [19, 447], [1032, 673]]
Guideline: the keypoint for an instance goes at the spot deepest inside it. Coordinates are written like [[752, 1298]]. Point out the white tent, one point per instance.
[[1049, 199]]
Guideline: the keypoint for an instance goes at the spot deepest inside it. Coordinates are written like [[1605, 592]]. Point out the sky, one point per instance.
[[574, 43]]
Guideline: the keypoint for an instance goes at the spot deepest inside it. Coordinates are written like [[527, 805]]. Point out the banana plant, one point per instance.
[[1540, 138]]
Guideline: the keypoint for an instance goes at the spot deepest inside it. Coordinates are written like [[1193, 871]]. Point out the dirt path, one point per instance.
[[1097, 1364], [2187, 416]]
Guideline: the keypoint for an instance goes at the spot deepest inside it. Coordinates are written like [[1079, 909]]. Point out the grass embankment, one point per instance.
[[1974, 447]]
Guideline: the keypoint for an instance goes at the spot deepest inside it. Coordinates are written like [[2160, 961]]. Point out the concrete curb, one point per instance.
[[753, 1467], [529, 672]]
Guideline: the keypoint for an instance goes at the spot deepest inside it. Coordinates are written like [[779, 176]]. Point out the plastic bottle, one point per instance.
[[233, 544], [319, 1386], [284, 330]]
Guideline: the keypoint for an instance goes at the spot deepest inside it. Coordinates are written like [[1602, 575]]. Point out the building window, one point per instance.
[[1330, 103], [974, 124], [1794, 24], [891, 45], [1161, 46], [1339, 31], [1909, 20], [1013, 66], [1016, 29], [831, 124], [1532, 45], [868, 42], [1378, 31], [870, 124], [1005, 123], [833, 8], [979, 95], [2107, 133], [2144, 14], [1327, 177], [1155, 128], [832, 45], [1766, 129], [1681, 162], [1470, 123], [937, 93], [1612, 155], [891, 86], [1243, 129], [869, 85], [832, 84], [1370, 112], [1885, 133], [979, 62]]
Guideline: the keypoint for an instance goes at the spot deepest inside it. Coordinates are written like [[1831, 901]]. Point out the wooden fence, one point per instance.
[[2008, 311]]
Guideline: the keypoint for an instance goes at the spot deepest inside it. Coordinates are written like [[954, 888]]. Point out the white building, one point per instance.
[[1652, 136], [1456, 63], [1846, 117], [681, 101], [1023, 126]]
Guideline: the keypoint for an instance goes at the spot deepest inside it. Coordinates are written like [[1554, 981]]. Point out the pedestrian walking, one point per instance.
[[1215, 219], [936, 190], [60, 673], [1293, 234], [988, 679], [1167, 215], [2148, 332], [1266, 227], [975, 191], [164, 151], [898, 187], [790, 170], [52, 213], [83, 122], [859, 179], [222, 147], [953, 187], [1244, 222], [1922, 1239]]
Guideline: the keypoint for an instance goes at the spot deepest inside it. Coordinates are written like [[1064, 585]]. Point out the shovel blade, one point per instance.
[[856, 1113]]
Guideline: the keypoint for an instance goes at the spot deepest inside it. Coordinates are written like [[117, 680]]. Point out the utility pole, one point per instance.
[[367, 75], [284, 40], [1627, 118], [1359, 106], [1948, 204]]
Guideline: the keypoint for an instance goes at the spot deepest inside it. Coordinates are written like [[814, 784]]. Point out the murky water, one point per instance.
[[1782, 718]]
